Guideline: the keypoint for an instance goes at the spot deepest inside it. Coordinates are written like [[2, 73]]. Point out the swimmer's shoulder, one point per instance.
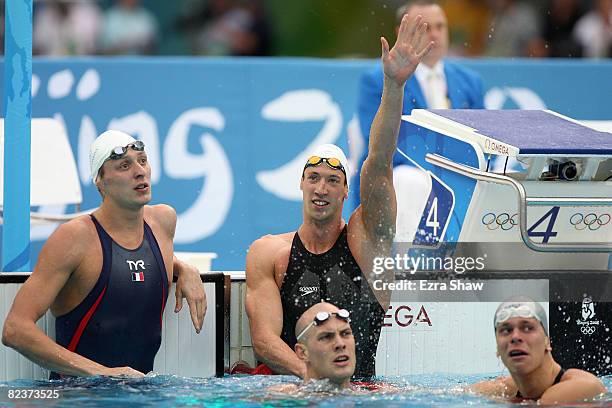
[[70, 243], [582, 379], [161, 217], [270, 252], [502, 387], [272, 243], [76, 230], [576, 373], [575, 385]]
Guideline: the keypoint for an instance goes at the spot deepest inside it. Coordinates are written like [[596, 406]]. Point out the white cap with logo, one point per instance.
[[102, 148]]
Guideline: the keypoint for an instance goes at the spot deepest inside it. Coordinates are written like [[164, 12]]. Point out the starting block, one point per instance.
[[534, 178]]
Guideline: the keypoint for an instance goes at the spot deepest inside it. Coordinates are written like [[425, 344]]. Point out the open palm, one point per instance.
[[401, 61]]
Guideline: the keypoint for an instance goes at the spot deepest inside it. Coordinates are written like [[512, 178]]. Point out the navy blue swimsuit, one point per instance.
[[119, 322]]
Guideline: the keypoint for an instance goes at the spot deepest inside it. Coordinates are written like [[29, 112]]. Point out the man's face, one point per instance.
[[324, 191], [437, 30], [127, 181], [521, 344], [330, 351]]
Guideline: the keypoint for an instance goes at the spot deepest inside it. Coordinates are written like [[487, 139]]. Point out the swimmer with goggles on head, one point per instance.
[[523, 344], [322, 317]]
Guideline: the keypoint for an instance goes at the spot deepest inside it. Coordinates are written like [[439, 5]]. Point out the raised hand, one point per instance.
[[401, 61]]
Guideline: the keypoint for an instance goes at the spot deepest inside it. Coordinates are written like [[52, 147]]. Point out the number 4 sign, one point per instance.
[[437, 213], [548, 233]]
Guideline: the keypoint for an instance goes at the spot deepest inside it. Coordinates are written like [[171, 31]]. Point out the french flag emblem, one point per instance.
[[137, 276]]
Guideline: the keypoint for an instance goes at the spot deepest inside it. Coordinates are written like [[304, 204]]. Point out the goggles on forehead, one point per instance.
[[322, 317], [524, 311], [120, 151], [332, 162]]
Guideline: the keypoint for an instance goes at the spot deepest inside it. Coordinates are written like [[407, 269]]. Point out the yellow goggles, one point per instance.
[[332, 162]]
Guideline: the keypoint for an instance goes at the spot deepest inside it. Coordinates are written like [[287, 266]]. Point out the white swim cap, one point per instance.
[[520, 306], [102, 148], [331, 151]]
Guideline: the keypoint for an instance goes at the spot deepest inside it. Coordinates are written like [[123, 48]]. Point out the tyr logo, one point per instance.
[[136, 265]]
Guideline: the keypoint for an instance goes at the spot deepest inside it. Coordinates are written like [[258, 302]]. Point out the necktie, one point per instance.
[[437, 92]]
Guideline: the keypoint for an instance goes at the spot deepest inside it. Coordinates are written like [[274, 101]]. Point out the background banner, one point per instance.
[[227, 138]]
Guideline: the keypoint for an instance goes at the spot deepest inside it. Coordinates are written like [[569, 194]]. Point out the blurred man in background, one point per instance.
[[436, 84]]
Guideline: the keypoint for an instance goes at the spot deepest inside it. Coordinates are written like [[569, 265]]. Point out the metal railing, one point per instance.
[[524, 202]]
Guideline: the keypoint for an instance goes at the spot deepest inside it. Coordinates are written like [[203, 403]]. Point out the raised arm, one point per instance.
[[377, 192], [60, 256], [265, 310]]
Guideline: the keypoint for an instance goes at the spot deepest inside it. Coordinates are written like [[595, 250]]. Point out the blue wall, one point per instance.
[[224, 134]]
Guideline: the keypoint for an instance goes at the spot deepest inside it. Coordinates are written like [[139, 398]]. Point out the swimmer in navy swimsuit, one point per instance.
[[105, 276], [327, 259], [523, 344]]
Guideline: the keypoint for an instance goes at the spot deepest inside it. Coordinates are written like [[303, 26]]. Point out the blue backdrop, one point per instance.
[[226, 137]]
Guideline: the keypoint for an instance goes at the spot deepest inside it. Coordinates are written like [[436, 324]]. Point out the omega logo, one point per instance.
[[403, 317], [499, 148]]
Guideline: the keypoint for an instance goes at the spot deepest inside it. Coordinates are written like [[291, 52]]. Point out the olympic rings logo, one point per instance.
[[588, 329], [504, 221], [591, 221]]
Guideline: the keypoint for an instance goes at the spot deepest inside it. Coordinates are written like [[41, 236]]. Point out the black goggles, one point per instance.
[[120, 151], [332, 162], [322, 317]]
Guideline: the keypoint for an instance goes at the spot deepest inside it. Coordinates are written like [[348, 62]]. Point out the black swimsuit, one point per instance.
[[334, 277], [556, 381]]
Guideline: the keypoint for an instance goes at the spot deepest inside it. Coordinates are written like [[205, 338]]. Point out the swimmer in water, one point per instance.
[[523, 343], [328, 259], [326, 345], [105, 276]]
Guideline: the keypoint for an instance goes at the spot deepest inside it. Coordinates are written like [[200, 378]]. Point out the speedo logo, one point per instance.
[[307, 290]]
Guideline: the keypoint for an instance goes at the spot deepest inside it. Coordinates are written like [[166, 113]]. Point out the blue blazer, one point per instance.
[[465, 91]]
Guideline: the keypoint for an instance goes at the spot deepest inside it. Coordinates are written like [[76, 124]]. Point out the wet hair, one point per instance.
[[399, 14]]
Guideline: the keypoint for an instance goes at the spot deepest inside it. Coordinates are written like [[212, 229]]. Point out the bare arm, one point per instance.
[[189, 284], [59, 258], [377, 192], [265, 311], [497, 387], [578, 386]]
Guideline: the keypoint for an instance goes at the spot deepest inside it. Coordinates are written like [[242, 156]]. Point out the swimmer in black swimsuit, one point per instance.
[[523, 344], [105, 276], [328, 259]]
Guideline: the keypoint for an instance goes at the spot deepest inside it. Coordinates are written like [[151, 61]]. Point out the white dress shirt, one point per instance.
[[433, 85]]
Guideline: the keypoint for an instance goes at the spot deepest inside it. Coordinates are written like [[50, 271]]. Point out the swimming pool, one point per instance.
[[251, 391]]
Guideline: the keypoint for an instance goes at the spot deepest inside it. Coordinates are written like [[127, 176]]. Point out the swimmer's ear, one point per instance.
[[548, 346], [301, 351]]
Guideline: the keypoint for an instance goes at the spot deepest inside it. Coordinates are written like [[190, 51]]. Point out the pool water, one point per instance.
[[252, 391]]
